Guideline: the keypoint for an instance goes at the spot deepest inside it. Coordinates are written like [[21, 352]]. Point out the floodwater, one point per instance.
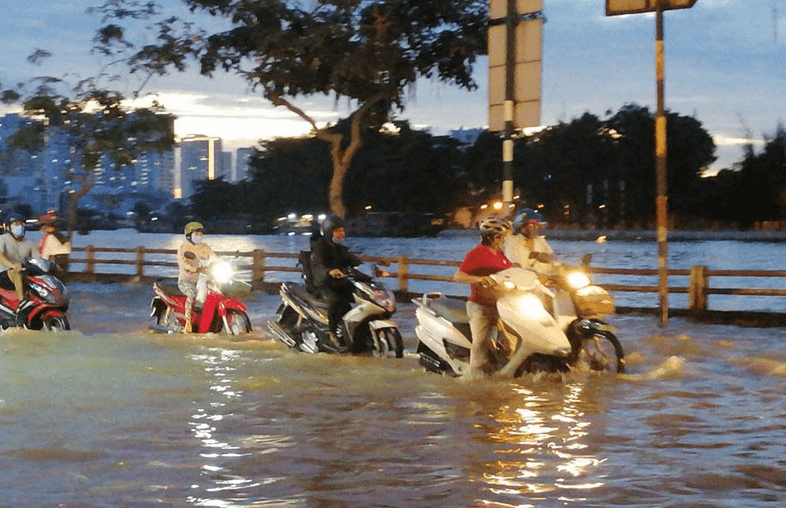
[[114, 415]]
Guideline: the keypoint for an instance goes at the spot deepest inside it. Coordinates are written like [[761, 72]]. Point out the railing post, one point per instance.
[[258, 266], [403, 272], [697, 291], [140, 262], [90, 258]]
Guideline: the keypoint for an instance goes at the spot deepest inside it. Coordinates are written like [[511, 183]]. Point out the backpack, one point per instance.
[[304, 260]]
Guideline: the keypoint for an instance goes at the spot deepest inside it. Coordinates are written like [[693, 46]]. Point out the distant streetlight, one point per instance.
[[614, 8]]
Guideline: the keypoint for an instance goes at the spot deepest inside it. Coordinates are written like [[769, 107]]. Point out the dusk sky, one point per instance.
[[725, 65]]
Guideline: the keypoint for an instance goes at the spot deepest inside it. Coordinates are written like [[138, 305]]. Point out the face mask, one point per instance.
[[18, 231], [196, 239]]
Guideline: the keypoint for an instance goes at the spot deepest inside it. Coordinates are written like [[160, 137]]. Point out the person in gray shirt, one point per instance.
[[14, 251]]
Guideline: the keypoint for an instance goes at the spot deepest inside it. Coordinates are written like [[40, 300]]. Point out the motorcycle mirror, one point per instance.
[[379, 272]]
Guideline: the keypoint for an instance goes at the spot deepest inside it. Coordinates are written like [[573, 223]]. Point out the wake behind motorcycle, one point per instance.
[[216, 312], [541, 329], [48, 296], [302, 321]]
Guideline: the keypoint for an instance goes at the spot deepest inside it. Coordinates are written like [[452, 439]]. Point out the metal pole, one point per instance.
[[661, 197], [511, 20]]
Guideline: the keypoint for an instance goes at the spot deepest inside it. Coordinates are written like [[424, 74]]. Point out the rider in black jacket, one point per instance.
[[328, 260]]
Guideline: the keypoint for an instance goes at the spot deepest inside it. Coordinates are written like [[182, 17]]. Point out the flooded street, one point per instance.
[[113, 415]]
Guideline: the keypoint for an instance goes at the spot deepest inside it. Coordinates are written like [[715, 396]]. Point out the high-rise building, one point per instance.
[[200, 159], [242, 169], [48, 174]]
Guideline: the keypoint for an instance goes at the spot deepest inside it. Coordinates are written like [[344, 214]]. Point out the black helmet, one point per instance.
[[11, 218], [331, 223]]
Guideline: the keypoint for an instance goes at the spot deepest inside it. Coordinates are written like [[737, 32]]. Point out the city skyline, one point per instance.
[[724, 65]]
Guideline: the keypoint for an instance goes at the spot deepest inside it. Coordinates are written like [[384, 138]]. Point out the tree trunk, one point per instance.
[[342, 158]]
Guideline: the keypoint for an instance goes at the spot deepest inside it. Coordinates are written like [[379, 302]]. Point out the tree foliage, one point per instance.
[[368, 52], [94, 121]]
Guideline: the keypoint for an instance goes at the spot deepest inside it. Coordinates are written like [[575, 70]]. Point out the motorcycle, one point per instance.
[[302, 318], [212, 313], [541, 329], [48, 296]]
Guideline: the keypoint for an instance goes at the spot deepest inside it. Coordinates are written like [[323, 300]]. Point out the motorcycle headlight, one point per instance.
[[578, 279], [222, 272], [532, 309]]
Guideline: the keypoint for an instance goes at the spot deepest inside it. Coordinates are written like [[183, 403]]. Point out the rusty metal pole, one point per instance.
[[661, 198]]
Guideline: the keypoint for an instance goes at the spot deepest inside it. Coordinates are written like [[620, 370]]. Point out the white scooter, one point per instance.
[[539, 330]]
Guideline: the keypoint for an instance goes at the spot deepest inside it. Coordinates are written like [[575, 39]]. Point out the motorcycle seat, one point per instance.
[[169, 287], [302, 292], [452, 309]]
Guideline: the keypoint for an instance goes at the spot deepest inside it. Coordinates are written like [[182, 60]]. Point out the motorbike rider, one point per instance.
[[53, 247], [15, 250], [328, 260], [529, 249], [482, 261], [192, 255]]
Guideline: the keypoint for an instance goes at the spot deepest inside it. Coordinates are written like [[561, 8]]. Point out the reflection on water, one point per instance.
[[113, 415]]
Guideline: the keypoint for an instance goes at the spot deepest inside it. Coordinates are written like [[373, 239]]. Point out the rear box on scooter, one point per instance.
[[593, 301]]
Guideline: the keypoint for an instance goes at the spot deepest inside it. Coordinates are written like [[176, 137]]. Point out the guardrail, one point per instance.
[[258, 264]]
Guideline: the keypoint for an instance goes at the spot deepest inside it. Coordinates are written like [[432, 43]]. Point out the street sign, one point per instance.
[[618, 7], [527, 66]]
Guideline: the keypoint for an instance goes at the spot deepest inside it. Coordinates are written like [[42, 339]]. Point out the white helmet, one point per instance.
[[494, 225]]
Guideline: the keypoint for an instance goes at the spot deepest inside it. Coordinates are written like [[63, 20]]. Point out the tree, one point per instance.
[[370, 53], [95, 122]]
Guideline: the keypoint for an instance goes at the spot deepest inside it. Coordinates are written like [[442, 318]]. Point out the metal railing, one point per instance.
[[258, 265]]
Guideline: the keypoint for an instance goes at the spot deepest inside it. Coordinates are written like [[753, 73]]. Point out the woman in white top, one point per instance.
[[53, 246]]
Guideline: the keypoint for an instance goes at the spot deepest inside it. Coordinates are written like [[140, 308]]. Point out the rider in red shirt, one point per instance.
[[482, 261]]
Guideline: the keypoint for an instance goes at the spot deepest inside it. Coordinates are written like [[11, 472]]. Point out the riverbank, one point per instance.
[[643, 235]]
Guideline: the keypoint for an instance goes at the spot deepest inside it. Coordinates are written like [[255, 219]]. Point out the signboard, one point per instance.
[[617, 7], [528, 57]]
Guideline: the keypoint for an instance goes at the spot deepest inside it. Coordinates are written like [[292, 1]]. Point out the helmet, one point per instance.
[[49, 218], [526, 216], [192, 227], [13, 218], [494, 225], [330, 224]]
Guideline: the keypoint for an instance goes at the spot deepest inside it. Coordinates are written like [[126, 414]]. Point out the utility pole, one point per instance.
[[616, 7], [515, 53]]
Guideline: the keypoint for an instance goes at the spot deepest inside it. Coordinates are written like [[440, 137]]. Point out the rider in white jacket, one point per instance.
[[528, 249]]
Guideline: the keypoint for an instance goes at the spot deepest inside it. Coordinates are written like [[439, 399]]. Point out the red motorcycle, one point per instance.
[[219, 312], [48, 298]]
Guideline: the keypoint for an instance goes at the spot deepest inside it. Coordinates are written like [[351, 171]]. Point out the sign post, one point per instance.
[[617, 7], [515, 49]]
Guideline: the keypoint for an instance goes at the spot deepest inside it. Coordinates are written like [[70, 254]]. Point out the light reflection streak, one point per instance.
[[543, 454], [203, 423]]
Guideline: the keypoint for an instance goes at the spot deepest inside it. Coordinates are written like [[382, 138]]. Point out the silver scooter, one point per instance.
[[302, 320]]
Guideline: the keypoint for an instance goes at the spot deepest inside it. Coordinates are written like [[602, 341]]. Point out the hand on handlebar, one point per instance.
[[337, 273], [487, 281]]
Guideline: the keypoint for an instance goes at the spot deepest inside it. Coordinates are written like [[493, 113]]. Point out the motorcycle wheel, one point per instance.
[[238, 322], [389, 344], [55, 322], [168, 320], [601, 351]]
